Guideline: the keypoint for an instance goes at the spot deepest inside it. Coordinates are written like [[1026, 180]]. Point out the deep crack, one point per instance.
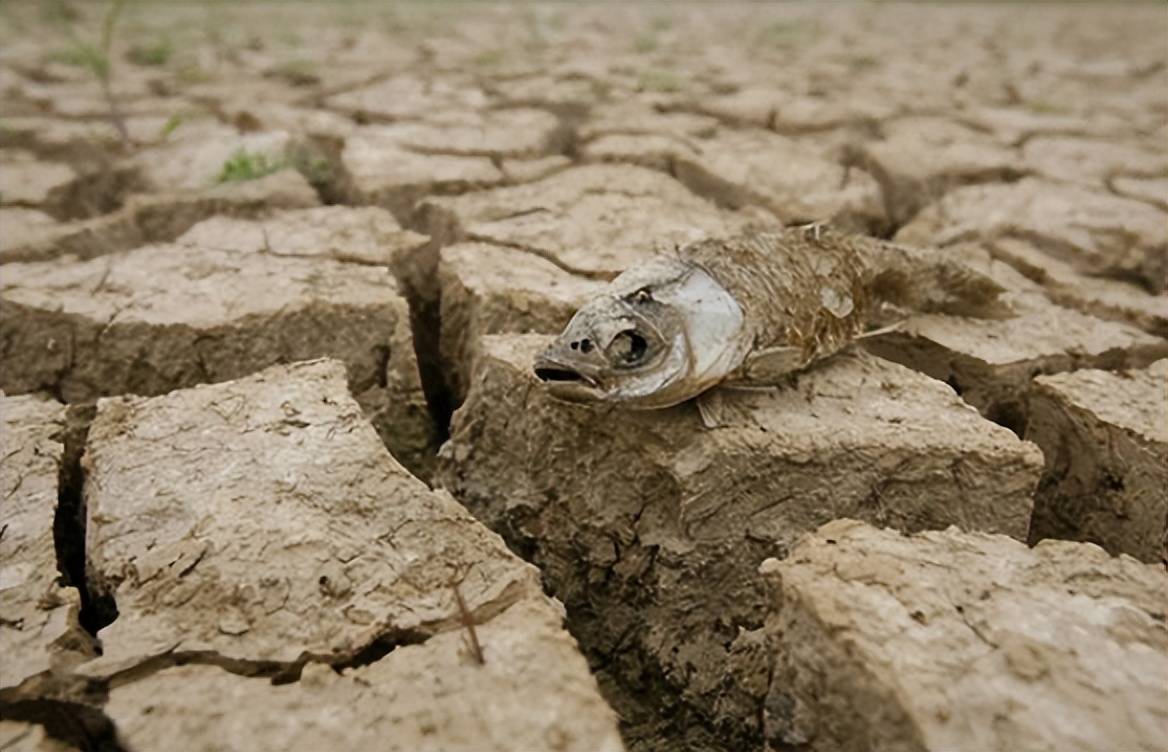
[[98, 610], [83, 726]]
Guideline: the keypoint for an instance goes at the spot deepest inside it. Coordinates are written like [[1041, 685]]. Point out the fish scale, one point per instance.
[[780, 280]]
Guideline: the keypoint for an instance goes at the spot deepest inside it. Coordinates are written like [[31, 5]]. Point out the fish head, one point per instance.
[[648, 340]]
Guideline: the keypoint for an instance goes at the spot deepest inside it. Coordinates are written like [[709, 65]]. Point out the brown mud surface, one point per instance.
[[276, 473]]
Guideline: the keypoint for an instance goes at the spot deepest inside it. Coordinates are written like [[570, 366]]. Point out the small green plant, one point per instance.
[[787, 34], [317, 170], [170, 126], [250, 165], [56, 12], [645, 43], [537, 40], [1048, 107], [193, 73], [80, 55], [557, 21], [489, 58], [862, 62], [659, 80], [157, 53], [296, 72], [290, 37]]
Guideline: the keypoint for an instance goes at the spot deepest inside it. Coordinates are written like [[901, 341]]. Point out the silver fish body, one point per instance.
[[749, 309]]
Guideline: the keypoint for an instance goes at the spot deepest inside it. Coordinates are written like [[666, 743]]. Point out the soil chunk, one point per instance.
[[1096, 232], [1105, 439], [592, 220], [259, 523], [492, 289], [652, 528], [219, 306], [40, 635], [990, 362], [759, 168], [957, 640], [533, 692]]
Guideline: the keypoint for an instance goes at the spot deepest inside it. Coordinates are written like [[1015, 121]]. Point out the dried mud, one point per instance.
[[277, 475]]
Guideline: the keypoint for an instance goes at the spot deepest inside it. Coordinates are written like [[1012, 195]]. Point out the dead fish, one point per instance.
[[747, 310]]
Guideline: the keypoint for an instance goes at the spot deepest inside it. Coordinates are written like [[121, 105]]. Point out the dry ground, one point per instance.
[[276, 474]]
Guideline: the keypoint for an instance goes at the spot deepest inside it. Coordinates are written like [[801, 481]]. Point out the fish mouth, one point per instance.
[[561, 375], [566, 382]]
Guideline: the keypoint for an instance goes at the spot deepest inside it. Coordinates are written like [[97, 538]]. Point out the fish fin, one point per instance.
[[754, 388], [813, 232], [895, 327], [930, 282], [711, 408], [770, 366]]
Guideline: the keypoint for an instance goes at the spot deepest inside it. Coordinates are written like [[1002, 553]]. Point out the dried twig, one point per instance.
[[99, 61], [104, 74], [476, 650]]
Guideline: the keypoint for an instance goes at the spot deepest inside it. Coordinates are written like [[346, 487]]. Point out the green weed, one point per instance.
[[156, 53], [290, 37], [557, 21], [659, 80], [82, 55], [661, 23], [248, 165], [787, 34], [862, 62], [58, 12], [645, 43], [317, 170], [193, 73], [1047, 107], [170, 126], [296, 72], [489, 58]]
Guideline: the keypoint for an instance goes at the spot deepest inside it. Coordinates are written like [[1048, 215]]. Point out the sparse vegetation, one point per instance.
[[296, 72], [659, 80], [81, 55], [489, 58], [317, 170], [788, 34], [862, 62], [290, 37], [193, 73], [156, 53], [1047, 107], [57, 12], [170, 126], [645, 43], [94, 57], [536, 38], [246, 165]]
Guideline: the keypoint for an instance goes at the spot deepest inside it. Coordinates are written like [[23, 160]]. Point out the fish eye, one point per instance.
[[644, 295], [628, 348]]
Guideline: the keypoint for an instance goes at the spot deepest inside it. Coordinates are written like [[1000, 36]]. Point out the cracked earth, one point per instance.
[[276, 473]]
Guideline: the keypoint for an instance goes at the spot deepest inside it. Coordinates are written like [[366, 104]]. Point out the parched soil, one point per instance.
[[277, 475]]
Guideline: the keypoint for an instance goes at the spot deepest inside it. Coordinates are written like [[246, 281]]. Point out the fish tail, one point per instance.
[[930, 282]]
